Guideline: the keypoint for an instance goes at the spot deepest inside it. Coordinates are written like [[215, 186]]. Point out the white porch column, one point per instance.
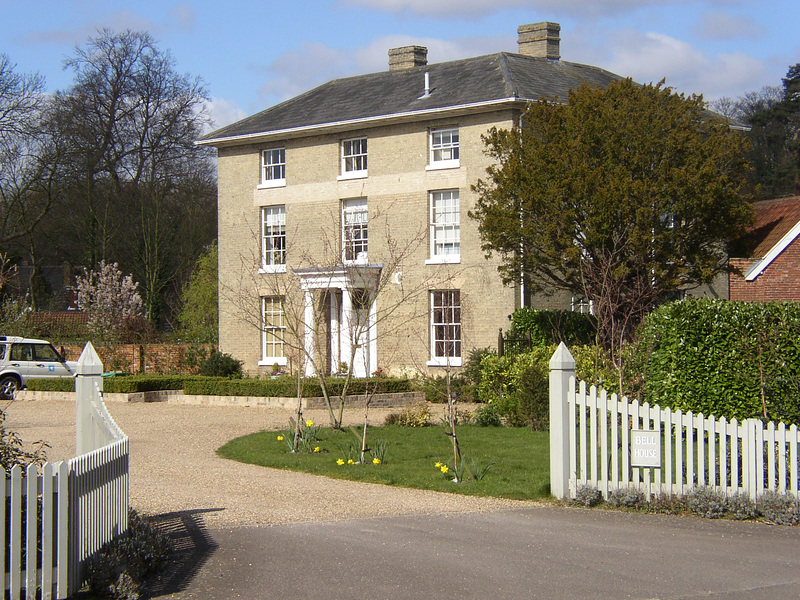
[[346, 327], [372, 338], [336, 331], [310, 330]]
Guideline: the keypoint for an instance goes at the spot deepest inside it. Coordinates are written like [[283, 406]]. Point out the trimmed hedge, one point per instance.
[[220, 386], [125, 384], [286, 387], [717, 357]]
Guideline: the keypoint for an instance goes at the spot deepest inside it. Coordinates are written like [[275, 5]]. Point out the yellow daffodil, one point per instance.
[[438, 465], [444, 469], [340, 462], [351, 462], [376, 461], [280, 438], [317, 449], [309, 423]]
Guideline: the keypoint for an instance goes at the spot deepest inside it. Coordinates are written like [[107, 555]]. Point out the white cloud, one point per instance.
[[224, 112], [650, 57]]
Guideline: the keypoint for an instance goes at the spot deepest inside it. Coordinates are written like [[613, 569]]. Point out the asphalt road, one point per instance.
[[537, 552]]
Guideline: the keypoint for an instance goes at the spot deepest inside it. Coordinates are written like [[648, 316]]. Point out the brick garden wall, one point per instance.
[[142, 358]]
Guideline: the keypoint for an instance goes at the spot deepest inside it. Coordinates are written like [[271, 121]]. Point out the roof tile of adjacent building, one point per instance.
[[776, 225], [458, 85]]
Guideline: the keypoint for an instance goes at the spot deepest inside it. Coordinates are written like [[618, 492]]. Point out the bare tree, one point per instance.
[[130, 121]]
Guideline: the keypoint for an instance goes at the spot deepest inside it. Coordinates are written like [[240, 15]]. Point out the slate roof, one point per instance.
[[469, 82]]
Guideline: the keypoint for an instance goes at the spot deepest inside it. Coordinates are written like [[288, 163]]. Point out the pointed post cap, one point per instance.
[[89, 363], [562, 359]]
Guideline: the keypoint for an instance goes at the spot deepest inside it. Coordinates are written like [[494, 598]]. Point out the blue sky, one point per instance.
[[254, 54]]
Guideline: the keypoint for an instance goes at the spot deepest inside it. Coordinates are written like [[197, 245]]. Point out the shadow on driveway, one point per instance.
[[192, 546]]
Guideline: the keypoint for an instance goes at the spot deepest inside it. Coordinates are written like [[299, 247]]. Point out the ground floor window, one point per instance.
[[273, 330], [446, 328]]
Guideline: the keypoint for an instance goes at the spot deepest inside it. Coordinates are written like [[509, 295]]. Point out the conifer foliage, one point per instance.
[[621, 196]]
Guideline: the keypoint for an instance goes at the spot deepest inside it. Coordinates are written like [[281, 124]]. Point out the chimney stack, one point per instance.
[[407, 57], [540, 39]]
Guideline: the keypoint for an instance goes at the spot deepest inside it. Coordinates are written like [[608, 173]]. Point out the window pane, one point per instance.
[[273, 326], [446, 323], [274, 235], [273, 164], [445, 224], [444, 145], [355, 229], [354, 155]]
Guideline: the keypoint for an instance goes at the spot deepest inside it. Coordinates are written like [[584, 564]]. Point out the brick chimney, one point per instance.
[[407, 57], [540, 39]]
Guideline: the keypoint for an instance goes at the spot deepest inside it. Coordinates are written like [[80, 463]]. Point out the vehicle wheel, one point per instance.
[[8, 387]]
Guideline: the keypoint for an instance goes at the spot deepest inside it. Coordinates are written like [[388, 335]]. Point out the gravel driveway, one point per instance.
[[174, 467]]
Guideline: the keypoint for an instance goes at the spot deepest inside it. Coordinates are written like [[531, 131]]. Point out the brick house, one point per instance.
[[771, 271], [339, 203]]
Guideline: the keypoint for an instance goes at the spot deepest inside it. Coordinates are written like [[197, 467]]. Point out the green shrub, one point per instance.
[[727, 359], [518, 386], [487, 416], [547, 327], [220, 364], [418, 415]]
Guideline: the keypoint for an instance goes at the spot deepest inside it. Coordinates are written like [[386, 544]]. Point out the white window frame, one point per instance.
[[355, 230], [273, 330], [445, 328], [444, 148], [444, 218], [273, 236], [353, 153], [273, 168]]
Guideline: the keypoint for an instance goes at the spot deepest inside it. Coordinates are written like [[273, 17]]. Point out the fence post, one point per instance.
[[562, 367], [88, 384]]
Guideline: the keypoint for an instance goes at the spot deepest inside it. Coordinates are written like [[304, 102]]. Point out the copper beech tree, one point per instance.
[[622, 196]]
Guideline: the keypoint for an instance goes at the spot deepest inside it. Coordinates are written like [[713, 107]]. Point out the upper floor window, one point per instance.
[[445, 227], [445, 328], [272, 331], [273, 238], [354, 157], [273, 167], [444, 146], [354, 230]]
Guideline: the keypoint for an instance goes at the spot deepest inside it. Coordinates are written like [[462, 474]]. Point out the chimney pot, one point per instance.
[[407, 57], [542, 40]]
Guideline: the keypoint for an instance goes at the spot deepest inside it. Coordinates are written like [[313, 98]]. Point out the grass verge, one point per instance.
[[519, 458]]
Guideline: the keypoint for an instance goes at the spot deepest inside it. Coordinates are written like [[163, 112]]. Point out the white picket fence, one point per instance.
[[591, 440], [62, 513]]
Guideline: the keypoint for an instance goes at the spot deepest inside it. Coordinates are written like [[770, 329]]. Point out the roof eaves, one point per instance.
[[351, 123], [761, 265]]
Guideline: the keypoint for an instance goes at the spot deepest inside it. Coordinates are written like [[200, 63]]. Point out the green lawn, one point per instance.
[[519, 458]]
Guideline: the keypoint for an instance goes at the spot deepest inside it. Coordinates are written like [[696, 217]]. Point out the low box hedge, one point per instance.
[[286, 387], [126, 384], [220, 386]]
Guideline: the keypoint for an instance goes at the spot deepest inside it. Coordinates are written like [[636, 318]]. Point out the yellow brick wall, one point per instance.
[[397, 190]]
